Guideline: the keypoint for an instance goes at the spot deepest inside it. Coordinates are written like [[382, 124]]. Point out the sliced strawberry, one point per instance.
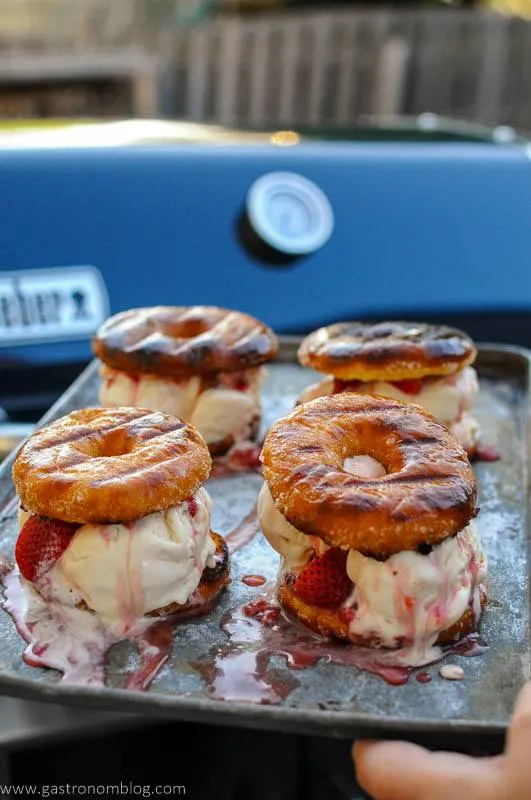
[[412, 386], [40, 544], [324, 581]]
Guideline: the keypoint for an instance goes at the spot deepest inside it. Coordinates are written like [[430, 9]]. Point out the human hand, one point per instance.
[[403, 771]]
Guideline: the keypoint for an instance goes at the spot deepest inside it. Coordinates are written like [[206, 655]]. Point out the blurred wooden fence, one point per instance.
[[80, 57], [333, 67], [96, 24], [326, 68]]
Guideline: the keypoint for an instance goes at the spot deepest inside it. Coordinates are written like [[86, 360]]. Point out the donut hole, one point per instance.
[[364, 466], [184, 329], [371, 452], [113, 444]]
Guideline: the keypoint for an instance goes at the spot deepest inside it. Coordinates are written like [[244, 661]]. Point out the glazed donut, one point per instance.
[[180, 341], [333, 622], [110, 465], [386, 351], [428, 494]]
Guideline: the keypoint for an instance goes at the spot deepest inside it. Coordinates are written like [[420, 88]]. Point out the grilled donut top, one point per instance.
[[386, 351], [110, 465], [428, 494], [181, 341]]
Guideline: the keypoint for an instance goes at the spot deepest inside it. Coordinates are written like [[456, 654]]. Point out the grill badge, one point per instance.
[[43, 305]]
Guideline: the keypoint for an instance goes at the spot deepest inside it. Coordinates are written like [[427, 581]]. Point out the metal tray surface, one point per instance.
[[328, 699]]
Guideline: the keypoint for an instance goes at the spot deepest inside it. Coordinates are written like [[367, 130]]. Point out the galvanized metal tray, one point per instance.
[[327, 698]]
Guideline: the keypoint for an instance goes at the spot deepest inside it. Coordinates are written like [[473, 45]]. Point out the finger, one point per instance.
[[403, 771], [519, 748]]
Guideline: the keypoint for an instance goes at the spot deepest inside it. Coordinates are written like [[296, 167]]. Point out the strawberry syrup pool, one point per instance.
[[241, 669], [75, 641]]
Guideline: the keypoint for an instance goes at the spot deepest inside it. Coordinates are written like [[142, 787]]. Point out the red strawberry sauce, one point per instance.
[[253, 580], [240, 669]]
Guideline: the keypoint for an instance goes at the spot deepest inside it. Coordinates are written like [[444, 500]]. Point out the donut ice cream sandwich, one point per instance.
[[114, 517], [202, 364], [429, 365], [371, 504]]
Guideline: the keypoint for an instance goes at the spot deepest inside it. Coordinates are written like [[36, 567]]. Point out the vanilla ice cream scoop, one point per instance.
[[449, 399], [446, 398], [412, 598], [295, 547], [226, 410], [149, 391], [125, 571]]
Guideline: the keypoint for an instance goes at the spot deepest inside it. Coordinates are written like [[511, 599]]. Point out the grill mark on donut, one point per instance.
[[149, 426], [196, 354], [385, 345], [415, 440], [311, 448], [158, 340], [361, 501], [401, 477], [124, 474], [376, 406], [72, 435], [446, 348]]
